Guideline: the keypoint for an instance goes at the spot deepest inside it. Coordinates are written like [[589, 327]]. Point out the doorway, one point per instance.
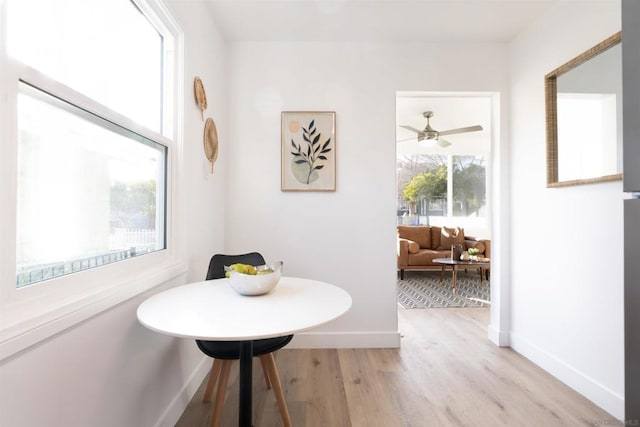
[[448, 180]]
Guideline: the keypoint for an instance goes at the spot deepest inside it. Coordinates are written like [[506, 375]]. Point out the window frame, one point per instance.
[[36, 312]]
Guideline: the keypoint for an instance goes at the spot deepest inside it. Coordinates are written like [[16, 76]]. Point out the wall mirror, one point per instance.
[[584, 117]]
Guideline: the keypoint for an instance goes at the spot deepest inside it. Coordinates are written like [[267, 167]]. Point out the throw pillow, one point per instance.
[[435, 237], [451, 236], [414, 247]]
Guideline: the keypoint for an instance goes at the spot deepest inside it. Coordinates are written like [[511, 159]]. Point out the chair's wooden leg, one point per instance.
[[270, 363], [220, 393], [213, 378], [265, 370]]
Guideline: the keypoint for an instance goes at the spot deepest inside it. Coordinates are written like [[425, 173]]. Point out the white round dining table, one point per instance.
[[211, 310]]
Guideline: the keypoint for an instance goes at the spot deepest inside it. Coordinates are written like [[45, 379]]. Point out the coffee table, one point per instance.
[[455, 266]]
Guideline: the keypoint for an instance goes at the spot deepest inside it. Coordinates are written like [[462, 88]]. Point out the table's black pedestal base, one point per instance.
[[246, 381]]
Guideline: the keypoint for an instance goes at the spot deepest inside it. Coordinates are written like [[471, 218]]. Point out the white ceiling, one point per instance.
[[375, 20]]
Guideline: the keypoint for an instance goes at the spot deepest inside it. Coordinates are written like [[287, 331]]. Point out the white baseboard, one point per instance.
[[346, 340], [176, 408], [602, 396], [498, 337]]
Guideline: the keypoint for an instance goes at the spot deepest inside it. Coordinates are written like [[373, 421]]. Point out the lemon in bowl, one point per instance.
[[249, 280]]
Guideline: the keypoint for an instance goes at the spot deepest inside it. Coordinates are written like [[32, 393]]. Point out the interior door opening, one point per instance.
[[443, 156]]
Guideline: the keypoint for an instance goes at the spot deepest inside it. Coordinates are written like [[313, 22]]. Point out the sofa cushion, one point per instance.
[[425, 257], [451, 236], [419, 234], [414, 247]]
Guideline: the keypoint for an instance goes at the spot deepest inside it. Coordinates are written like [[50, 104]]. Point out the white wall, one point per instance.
[[205, 56], [346, 237], [566, 260], [110, 371]]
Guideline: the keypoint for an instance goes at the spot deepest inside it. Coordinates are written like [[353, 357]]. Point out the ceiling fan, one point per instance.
[[430, 134]]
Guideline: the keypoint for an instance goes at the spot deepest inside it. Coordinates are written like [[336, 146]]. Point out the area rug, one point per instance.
[[422, 289]]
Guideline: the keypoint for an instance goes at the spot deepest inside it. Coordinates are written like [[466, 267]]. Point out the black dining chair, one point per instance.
[[224, 352]]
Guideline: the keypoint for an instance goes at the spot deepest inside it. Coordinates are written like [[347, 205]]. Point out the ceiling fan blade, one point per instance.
[[461, 130], [443, 143], [413, 138], [411, 128]]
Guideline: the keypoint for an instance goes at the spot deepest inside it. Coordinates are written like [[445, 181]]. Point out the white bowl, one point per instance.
[[259, 284]]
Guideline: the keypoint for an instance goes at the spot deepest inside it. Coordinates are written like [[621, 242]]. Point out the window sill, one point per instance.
[[23, 334]]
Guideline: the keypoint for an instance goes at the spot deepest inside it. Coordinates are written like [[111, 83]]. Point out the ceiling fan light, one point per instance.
[[427, 142]]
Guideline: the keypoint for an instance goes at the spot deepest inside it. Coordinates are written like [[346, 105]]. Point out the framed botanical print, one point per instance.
[[308, 150]]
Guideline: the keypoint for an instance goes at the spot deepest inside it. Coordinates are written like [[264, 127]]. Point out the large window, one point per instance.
[[441, 185], [100, 182], [89, 139]]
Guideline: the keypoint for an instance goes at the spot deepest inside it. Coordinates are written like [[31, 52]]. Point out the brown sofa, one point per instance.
[[419, 245]]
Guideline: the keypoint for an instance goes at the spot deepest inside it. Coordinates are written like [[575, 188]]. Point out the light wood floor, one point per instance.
[[446, 374]]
